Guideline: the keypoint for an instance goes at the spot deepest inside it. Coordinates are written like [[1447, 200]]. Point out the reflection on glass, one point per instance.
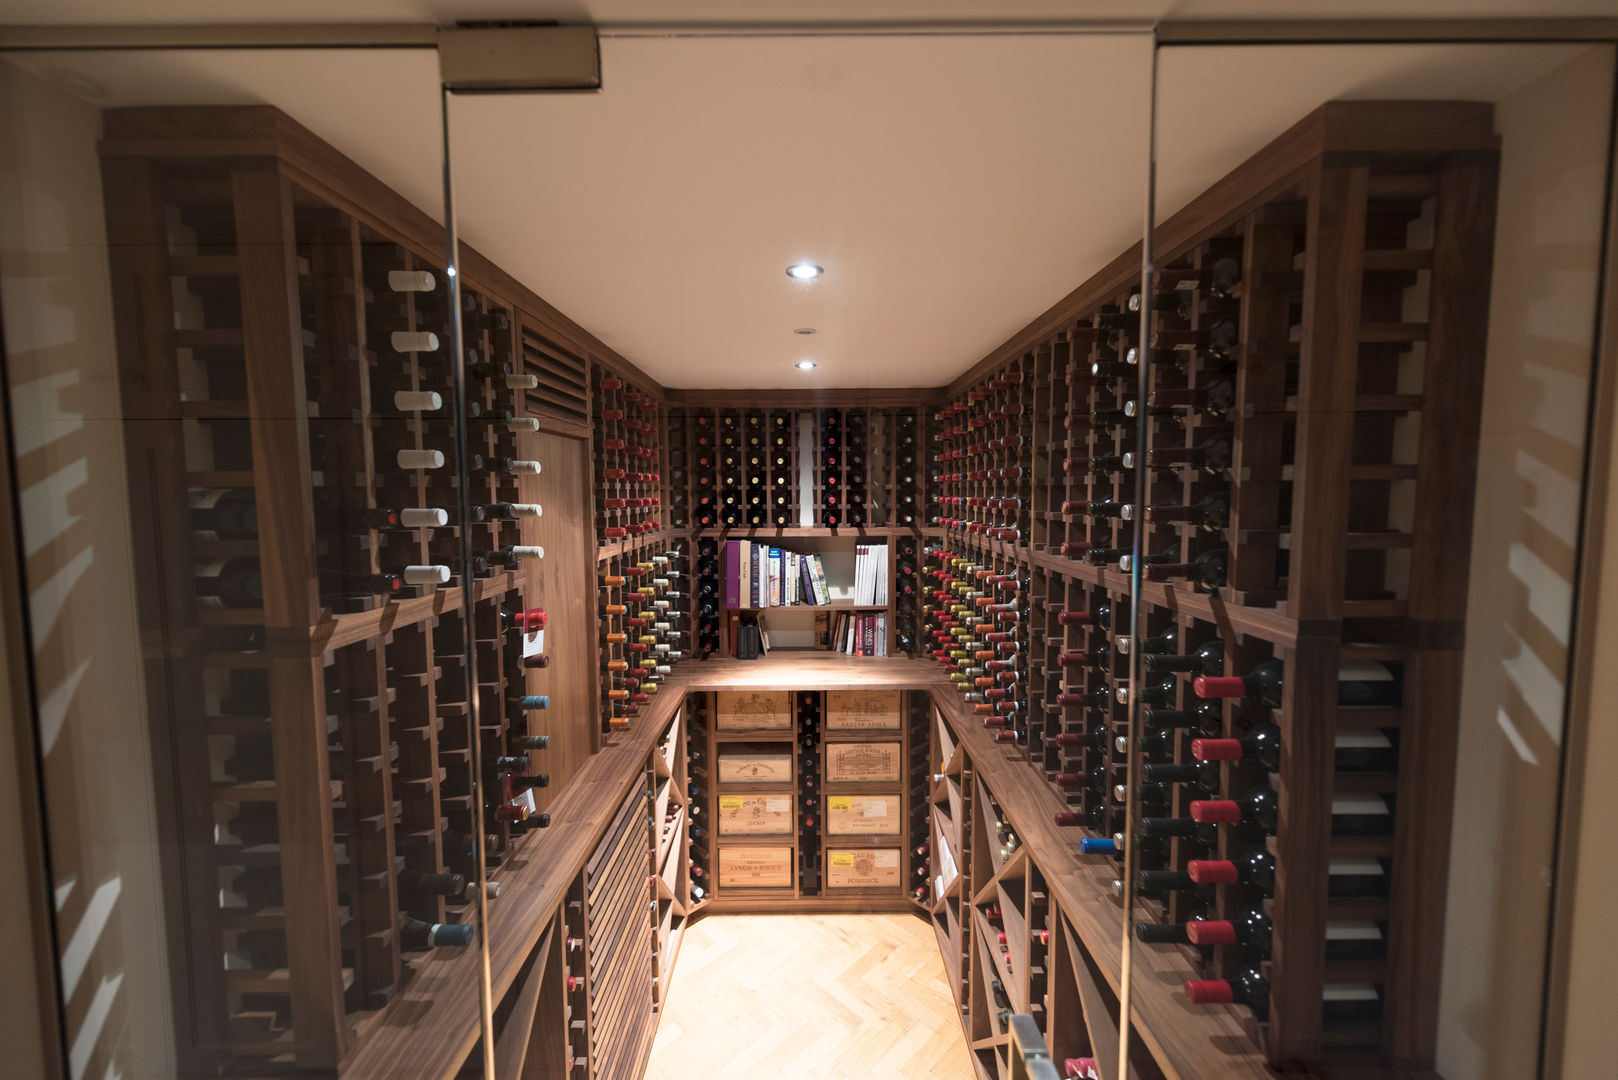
[[228, 376], [1316, 708]]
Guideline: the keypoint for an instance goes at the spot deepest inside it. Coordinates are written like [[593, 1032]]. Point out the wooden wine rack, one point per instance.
[[630, 471], [317, 738], [1334, 391]]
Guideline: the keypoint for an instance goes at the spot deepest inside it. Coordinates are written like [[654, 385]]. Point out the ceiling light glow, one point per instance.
[[804, 271], [805, 365]]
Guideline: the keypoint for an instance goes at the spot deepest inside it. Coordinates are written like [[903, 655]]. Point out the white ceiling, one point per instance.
[[954, 187]]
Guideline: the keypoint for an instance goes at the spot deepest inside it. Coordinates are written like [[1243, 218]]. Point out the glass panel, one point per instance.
[[1368, 387], [224, 358], [946, 187]]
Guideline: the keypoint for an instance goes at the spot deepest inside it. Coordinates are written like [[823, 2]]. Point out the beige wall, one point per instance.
[[1523, 559], [71, 491]]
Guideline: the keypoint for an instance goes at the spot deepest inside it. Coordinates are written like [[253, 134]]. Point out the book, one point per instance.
[[823, 630], [752, 580], [733, 593]]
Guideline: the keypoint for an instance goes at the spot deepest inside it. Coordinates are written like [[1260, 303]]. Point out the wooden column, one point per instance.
[[154, 446], [1452, 401], [272, 351], [1326, 391]]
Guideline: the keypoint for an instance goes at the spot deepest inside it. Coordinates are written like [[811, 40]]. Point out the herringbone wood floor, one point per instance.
[[814, 996]]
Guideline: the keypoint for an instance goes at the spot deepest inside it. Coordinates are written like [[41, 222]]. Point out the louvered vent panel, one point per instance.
[[561, 390]]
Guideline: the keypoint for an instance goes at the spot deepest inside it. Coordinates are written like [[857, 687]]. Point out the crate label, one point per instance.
[[853, 815], [864, 762], [862, 710], [761, 710], [743, 867], [863, 868], [754, 814], [758, 768]]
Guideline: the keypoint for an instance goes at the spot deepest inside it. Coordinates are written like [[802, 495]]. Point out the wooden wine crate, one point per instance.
[[744, 764], [863, 710], [754, 710], [864, 762], [864, 815], [755, 867], [755, 815], [863, 868]]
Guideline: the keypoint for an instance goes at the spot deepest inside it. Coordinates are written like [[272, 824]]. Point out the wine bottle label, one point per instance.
[[521, 423], [527, 552], [522, 382], [417, 400], [414, 341], [1352, 930], [1358, 805], [525, 468], [1349, 992], [425, 575], [411, 281], [420, 459], [423, 518], [526, 510]]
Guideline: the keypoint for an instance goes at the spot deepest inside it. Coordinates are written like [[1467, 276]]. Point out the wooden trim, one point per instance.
[[25, 790]]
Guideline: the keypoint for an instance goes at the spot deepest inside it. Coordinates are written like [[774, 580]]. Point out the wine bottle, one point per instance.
[[1359, 684], [1341, 1003], [1259, 806], [411, 281], [229, 583], [1206, 659], [1250, 929], [1208, 569], [227, 513], [415, 934], [419, 883]]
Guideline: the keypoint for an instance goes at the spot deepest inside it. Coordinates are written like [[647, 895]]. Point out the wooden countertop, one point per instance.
[[813, 669]]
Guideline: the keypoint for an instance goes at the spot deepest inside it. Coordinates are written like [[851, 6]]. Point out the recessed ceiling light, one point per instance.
[[804, 271], [805, 365], [805, 330]]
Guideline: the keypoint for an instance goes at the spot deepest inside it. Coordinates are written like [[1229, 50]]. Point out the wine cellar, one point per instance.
[[1130, 662]]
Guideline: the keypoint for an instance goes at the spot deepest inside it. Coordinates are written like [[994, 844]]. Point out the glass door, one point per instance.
[[238, 467], [1369, 339]]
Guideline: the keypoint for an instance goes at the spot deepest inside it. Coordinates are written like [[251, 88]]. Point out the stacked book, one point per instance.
[[865, 633], [759, 576]]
